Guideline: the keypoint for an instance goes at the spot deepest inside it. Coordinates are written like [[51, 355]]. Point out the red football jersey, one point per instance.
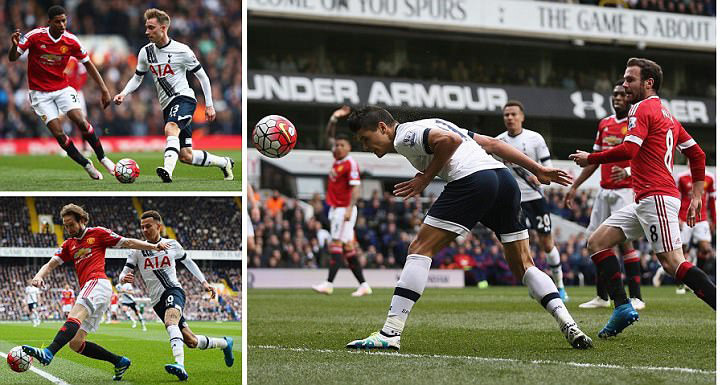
[[114, 299], [684, 182], [68, 297], [76, 74], [611, 133], [48, 58], [88, 252], [344, 174], [652, 127]]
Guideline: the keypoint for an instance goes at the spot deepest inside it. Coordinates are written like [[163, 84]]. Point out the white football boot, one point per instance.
[[575, 336], [595, 303], [92, 171], [363, 289], [228, 169], [376, 341], [323, 288], [109, 165], [637, 303]]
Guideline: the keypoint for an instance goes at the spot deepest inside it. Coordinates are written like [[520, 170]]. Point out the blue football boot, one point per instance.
[[178, 370], [622, 317], [229, 357], [44, 355]]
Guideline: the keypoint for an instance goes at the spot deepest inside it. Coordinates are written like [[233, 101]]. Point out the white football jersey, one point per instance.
[[533, 145], [411, 141], [168, 66], [126, 288], [31, 294], [158, 267]]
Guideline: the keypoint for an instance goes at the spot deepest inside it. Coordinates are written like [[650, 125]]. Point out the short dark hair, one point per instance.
[[516, 103], [619, 83], [55, 10], [368, 118], [152, 214], [648, 69], [343, 136]]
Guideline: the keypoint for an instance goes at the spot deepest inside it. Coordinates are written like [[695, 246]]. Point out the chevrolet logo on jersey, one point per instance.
[[51, 57], [612, 140], [81, 254]]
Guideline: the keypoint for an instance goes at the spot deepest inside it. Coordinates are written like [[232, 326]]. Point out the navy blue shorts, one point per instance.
[[491, 197], [173, 297], [537, 215], [180, 111]]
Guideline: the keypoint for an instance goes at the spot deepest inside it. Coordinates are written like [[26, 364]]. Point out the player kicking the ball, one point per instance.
[[479, 189], [167, 296], [652, 137], [169, 60], [49, 50], [86, 249]]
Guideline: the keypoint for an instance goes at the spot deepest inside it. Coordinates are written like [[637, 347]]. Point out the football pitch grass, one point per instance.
[[461, 336], [56, 173], [149, 352]]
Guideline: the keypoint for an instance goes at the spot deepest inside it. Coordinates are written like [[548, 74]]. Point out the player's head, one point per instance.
[[513, 116], [67, 287], [157, 23], [74, 218], [375, 128], [620, 100], [342, 146], [151, 224], [643, 78], [57, 19]]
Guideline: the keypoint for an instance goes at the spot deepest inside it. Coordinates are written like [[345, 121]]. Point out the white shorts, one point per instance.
[[697, 233], [606, 203], [655, 217], [339, 229], [50, 105], [66, 308], [95, 297], [113, 308]]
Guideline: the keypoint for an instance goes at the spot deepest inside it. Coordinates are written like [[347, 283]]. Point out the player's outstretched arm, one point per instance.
[[625, 151], [443, 145], [584, 175], [13, 53], [331, 127], [131, 86], [95, 75], [509, 153], [207, 93], [195, 270], [696, 158], [38, 279], [132, 243]]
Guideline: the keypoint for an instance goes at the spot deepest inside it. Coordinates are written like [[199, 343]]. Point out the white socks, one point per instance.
[[172, 151], [543, 290], [129, 315], [176, 343], [553, 258], [205, 342], [408, 291], [206, 159]]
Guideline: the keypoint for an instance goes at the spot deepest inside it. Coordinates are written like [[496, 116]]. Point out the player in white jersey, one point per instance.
[[127, 300], [167, 295], [31, 299], [479, 189], [534, 205], [169, 61]]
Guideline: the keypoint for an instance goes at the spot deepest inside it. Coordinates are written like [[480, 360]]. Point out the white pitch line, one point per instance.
[[44, 374], [493, 359]]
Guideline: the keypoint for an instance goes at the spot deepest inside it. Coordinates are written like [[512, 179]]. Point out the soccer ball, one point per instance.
[[18, 360], [274, 136], [126, 170]]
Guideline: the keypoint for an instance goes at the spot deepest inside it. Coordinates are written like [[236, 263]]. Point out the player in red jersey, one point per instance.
[[112, 313], [343, 189], [701, 233], [50, 93], [615, 193], [86, 249], [653, 134], [67, 300]]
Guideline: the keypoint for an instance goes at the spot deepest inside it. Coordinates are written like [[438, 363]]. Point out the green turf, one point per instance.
[[460, 336], [55, 173], [149, 352]]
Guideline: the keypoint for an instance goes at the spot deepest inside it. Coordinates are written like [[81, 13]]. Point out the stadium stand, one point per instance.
[[212, 29]]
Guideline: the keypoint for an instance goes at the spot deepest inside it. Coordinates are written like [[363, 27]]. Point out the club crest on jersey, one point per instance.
[[624, 130], [90, 240], [155, 263], [409, 138], [63, 49], [161, 71]]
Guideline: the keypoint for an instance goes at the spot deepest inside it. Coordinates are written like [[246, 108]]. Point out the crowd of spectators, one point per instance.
[[211, 28], [386, 226], [199, 223], [15, 273]]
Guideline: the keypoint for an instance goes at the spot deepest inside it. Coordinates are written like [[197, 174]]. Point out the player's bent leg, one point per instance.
[[409, 288], [66, 333], [204, 342], [202, 158], [172, 319], [675, 264], [172, 152], [541, 287], [92, 350], [88, 134]]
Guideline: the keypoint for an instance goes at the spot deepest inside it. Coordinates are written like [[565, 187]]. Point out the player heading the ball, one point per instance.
[[169, 61], [51, 95]]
